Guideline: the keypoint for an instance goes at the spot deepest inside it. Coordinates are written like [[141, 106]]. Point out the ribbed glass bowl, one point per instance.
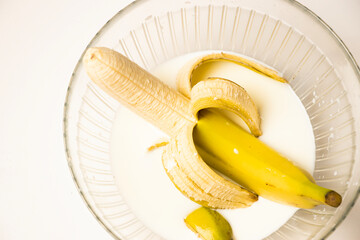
[[280, 33]]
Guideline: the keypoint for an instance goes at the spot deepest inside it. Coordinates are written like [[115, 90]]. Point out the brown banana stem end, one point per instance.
[[333, 199]]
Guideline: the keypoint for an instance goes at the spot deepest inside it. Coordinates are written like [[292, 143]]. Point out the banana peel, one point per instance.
[[208, 224]]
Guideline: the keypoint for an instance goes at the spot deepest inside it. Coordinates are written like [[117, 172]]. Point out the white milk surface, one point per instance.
[[150, 193]]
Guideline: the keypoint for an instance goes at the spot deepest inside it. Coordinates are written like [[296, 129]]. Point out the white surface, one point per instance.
[[40, 44]]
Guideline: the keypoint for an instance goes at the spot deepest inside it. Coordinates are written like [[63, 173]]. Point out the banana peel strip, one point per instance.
[[225, 94], [184, 78], [207, 192], [196, 180]]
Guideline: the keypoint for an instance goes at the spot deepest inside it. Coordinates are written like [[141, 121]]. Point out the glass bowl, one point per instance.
[[280, 33]]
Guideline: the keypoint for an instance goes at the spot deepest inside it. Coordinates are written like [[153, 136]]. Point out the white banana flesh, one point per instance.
[[137, 89]]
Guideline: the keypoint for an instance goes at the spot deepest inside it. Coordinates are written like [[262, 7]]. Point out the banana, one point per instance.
[[254, 165], [198, 134]]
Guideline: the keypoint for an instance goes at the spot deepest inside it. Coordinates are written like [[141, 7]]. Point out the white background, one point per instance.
[[40, 43]]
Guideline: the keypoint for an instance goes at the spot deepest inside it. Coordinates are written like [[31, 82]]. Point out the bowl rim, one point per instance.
[[133, 5], [357, 70]]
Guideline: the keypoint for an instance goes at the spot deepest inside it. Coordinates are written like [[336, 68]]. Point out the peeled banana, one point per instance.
[[198, 134]]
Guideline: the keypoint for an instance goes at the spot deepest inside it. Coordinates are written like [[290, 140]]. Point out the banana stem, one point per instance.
[[333, 199]]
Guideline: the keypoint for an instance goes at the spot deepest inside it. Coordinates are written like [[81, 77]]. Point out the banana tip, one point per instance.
[[333, 199], [90, 54]]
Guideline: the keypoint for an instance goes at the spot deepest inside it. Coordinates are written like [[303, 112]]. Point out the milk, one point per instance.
[[152, 196]]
